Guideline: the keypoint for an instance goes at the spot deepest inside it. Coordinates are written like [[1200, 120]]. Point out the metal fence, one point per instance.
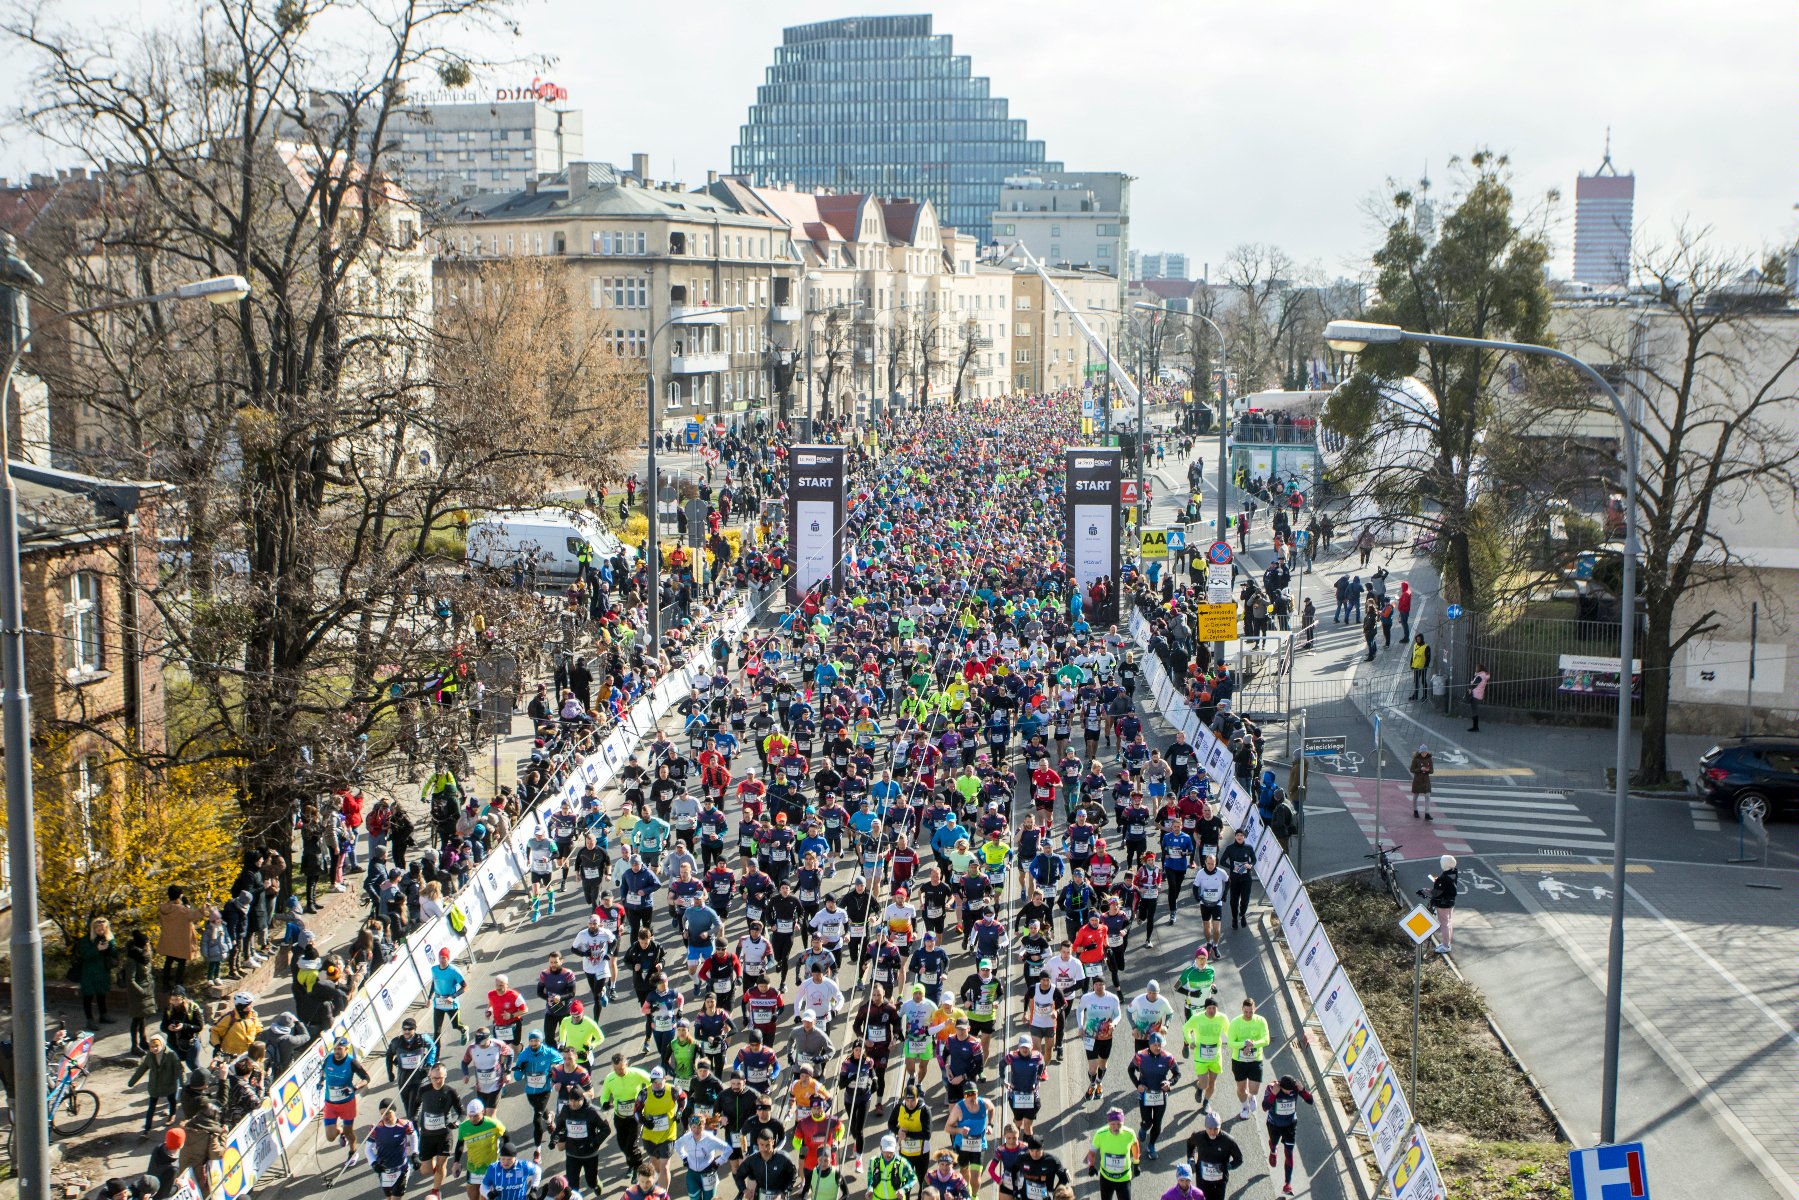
[[1545, 665]]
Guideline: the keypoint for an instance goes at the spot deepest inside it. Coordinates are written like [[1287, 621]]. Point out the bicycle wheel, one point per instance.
[[77, 1110]]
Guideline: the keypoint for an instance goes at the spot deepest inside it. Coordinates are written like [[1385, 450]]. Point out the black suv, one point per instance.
[[1756, 776]]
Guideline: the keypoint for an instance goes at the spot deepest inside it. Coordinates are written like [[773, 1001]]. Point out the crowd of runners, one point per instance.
[[884, 884]]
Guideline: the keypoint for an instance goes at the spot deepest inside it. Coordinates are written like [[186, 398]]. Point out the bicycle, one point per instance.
[[1387, 872], [72, 1108]]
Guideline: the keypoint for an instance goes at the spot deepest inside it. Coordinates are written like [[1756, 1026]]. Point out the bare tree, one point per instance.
[[833, 353], [1712, 373], [967, 350], [343, 432]]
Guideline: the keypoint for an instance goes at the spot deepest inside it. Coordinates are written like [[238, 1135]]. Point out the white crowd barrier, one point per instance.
[[296, 1098], [1400, 1147]]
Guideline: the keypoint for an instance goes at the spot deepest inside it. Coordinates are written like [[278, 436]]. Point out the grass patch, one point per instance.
[[1493, 1139]]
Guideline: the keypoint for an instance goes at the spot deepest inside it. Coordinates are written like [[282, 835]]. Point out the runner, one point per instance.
[[1280, 1106], [1113, 1157], [341, 1072], [391, 1146], [1248, 1037]]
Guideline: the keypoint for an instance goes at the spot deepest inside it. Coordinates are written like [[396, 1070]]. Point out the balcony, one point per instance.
[[702, 363], [697, 314], [984, 343], [786, 314], [1274, 430]]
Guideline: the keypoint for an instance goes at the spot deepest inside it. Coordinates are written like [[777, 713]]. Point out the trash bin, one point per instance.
[[1436, 684]]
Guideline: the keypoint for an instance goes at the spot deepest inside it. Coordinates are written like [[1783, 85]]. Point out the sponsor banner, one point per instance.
[[1339, 1009], [186, 1187], [1268, 857], [1316, 959], [1283, 886], [1362, 1058], [393, 989], [1388, 1117], [1237, 805], [1413, 1174], [1297, 923], [250, 1149]]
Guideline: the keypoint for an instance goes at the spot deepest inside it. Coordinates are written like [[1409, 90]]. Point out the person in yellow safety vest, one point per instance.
[[657, 1108], [890, 1176]]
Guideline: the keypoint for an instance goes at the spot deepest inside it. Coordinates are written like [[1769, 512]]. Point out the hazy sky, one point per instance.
[[1272, 122]]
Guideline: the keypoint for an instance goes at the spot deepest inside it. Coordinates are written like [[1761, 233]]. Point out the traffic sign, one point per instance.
[[1154, 543], [1419, 924], [1301, 537], [692, 433], [1453, 612], [1609, 1173], [1177, 539], [1324, 747], [1220, 553], [1128, 495], [1217, 622]]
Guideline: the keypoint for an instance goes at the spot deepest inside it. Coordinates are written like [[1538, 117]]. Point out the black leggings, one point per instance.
[[540, 1115], [575, 1168], [1239, 897], [88, 1004], [1114, 1189], [1151, 1128]]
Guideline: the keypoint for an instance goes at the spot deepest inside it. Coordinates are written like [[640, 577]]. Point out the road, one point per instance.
[[519, 948], [1711, 997]]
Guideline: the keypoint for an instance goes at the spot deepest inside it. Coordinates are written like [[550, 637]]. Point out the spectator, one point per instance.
[[182, 1023], [161, 1070], [176, 943], [94, 958], [216, 944], [165, 1163], [139, 981]]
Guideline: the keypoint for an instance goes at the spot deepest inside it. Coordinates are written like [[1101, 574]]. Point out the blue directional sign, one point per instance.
[[1584, 566], [692, 433], [1609, 1173], [1177, 539], [1453, 612]]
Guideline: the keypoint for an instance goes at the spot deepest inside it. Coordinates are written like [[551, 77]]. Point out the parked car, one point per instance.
[[1756, 776]]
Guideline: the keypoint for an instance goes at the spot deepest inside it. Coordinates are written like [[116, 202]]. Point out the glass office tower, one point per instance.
[[883, 105]]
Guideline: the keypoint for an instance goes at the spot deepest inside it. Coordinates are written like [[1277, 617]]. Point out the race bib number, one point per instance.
[[1208, 1053], [659, 1122], [1090, 970], [410, 1062], [590, 872], [1211, 1172], [1154, 1099], [389, 1178], [876, 1035], [1285, 1107], [1024, 1099], [912, 1147], [722, 984], [338, 1093], [436, 1122], [577, 1130], [536, 1079], [444, 1003], [1114, 1164], [487, 1081]]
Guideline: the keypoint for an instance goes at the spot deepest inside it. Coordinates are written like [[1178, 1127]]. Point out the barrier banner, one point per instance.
[[1363, 1060], [1414, 1174], [1339, 1009], [393, 989], [1218, 763], [1269, 854], [496, 876], [1297, 924], [1388, 1117], [1284, 887], [1317, 959], [250, 1149], [1237, 806]]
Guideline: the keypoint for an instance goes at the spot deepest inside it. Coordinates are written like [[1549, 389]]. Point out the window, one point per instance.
[[1105, 251], [1024, 304], [81, 623], [1007, 230], [1022, 328], [1055, 251], [1055, 231], [90, 790], [1021, 356]]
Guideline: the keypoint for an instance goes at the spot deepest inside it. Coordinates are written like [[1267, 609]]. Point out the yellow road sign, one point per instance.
[[1419, 924], [1217, 622], [1155, 543]]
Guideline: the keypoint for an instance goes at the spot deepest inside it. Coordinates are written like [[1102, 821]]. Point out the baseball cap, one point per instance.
[[888, 1144], [658, 1073]]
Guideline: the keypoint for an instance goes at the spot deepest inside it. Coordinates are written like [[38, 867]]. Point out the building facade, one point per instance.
[[882, 105], [1049, 351], [1143, 265], [1603, 203], [645, 253], [1068, 218]]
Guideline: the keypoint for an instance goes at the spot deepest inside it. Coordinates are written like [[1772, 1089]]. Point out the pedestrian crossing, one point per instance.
[[1473, 817], [1705, 817]]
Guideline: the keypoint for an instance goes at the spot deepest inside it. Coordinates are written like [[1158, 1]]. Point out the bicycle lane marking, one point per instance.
[[1420, 839]]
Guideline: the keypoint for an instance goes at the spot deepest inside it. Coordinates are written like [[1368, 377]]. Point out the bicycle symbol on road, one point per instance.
[[1472, 881], [1555, 889], [1345, 762]]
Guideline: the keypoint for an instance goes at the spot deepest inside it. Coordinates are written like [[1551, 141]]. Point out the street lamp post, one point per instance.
[[652, 542], [31, 1118], [1356, 336], [812, 277]]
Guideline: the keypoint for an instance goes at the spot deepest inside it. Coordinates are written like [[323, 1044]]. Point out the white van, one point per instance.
[[549, 537]]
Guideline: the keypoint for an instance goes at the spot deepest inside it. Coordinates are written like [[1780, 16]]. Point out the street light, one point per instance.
[[1352, 337], [1224, 429], [812, 277], [31, 1118], [652, 543]]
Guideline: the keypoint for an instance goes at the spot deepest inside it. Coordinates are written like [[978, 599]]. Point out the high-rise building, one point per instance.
[[1602, 224], [447, 145], [1144, 265], [885, 106]]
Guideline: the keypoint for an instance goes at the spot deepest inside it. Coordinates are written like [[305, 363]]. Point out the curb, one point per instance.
[[1536, 1089], [1352, 1166]]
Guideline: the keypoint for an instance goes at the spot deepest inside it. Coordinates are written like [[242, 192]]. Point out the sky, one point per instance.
[[1275, 122]]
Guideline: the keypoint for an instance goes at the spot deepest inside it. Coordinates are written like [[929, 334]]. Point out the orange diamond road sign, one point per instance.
[[1419, 924]]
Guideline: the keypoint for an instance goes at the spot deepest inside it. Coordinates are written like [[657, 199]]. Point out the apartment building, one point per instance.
[[646, 253], [1049, 351]]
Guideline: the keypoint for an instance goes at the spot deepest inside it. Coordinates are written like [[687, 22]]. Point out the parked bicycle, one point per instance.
[[1387, 872], [72, 1107]]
